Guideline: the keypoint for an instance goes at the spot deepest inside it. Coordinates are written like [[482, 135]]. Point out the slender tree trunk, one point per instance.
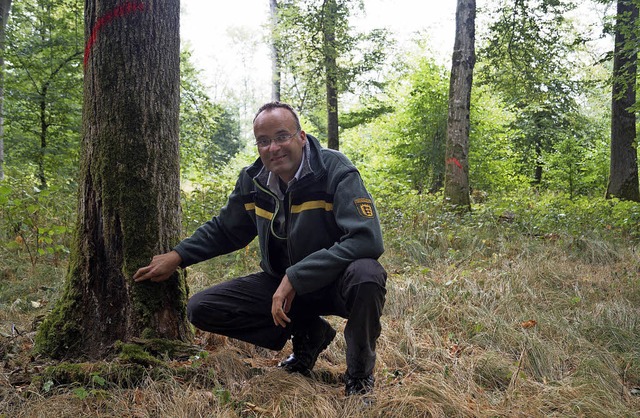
[[275, 54], [331, 69], [537, 170], [456, 184], [623, 174], [438, 148], [44, 126], [5, 6], [129, 206]]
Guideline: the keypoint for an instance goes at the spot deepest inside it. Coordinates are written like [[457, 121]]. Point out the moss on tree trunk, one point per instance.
[[129, 202]]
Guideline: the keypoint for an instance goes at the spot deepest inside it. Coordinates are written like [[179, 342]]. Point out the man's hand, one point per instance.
[[281, 302], [160, 269]]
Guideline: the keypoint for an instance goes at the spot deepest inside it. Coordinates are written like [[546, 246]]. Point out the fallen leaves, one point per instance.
[[455, 351], [250, 407]]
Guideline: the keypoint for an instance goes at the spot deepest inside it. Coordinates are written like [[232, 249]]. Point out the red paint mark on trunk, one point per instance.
[[454, 161], [120, 11]]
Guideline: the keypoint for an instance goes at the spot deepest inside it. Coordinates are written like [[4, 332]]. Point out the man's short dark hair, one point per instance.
[[279, 105]]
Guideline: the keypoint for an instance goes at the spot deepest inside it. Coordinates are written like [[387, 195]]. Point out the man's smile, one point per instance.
[[278, 158]]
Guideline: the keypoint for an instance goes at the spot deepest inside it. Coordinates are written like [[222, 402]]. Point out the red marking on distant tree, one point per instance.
[[454, 161], [120, 11]]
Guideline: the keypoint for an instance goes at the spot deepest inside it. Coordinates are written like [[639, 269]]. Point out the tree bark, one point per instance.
[[456, 187], [44, 127], [537, 170], [129, 207], [5, 6], [275, 53], [331, 72], [623, 174]]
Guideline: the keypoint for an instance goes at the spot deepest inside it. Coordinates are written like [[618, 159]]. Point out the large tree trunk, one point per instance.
[[5, 6], [331, 69], [623, 175], [456, 183], [275, 53], [129, 205]]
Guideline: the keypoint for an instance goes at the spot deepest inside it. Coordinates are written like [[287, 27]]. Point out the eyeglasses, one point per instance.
[[279, 140]]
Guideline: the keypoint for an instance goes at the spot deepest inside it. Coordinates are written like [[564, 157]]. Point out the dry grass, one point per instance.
[[506, 326]]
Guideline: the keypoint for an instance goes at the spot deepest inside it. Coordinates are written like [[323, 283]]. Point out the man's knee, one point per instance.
[[194, 309], [365, 270], [202, 311]]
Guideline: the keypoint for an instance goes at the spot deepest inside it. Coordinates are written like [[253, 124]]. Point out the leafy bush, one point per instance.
[[204, 194], [34, 222]]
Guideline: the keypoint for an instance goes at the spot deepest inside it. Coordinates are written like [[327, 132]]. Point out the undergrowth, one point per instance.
[[528, 306]]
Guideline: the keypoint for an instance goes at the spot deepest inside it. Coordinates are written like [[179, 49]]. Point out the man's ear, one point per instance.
[[303, 135]]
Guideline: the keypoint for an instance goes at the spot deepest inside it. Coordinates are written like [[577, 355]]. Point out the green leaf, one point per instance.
[[47, 385], [81, 393], [98, 380]]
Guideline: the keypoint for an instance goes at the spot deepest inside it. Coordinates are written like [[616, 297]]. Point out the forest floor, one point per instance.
[[479, 324]]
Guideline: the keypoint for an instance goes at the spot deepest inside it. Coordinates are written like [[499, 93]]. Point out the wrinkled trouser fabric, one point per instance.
[[241, 308]]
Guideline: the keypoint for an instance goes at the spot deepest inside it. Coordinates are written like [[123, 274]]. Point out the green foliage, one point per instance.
[[43, 88], [579, 163], [204, 194], [528, 124], [494, 161], [549, 213], [402, 146], [373, 109], [34, 222], [209, 132], [530, 57], [422, 127], [397, 141], [303, 50], [43, 99]]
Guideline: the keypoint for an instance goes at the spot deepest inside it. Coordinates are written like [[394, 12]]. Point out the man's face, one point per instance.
[[282, 159]]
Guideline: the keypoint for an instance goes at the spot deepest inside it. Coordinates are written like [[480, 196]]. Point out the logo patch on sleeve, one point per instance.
[[365, 207]]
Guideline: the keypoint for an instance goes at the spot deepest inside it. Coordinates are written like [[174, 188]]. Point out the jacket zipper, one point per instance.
[[273, 217], [275, 213], [287, 222]]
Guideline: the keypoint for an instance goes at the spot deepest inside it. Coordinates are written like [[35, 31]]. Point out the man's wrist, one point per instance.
[[176, 258]]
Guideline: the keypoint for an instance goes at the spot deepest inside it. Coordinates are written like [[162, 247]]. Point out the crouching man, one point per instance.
[[320, 239]]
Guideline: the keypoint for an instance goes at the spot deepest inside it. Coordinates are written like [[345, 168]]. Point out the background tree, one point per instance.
[[5, 6], [456, 184], [623, 174], [323, 57], [275, 54], [43, 87], [527, 56], [129, 191], [330, 20]]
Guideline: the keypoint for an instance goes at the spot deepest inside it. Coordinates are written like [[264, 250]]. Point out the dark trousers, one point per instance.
[[241, 308]]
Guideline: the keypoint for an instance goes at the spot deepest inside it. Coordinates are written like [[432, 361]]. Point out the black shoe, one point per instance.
[[307, 346], [358, 385]]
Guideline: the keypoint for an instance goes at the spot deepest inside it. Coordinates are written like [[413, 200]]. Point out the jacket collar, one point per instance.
[[313, 165]]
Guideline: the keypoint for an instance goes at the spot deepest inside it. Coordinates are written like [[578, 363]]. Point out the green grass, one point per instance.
[[458, 337]]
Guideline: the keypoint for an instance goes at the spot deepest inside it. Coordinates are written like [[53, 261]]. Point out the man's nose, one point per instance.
[[273, 144]]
